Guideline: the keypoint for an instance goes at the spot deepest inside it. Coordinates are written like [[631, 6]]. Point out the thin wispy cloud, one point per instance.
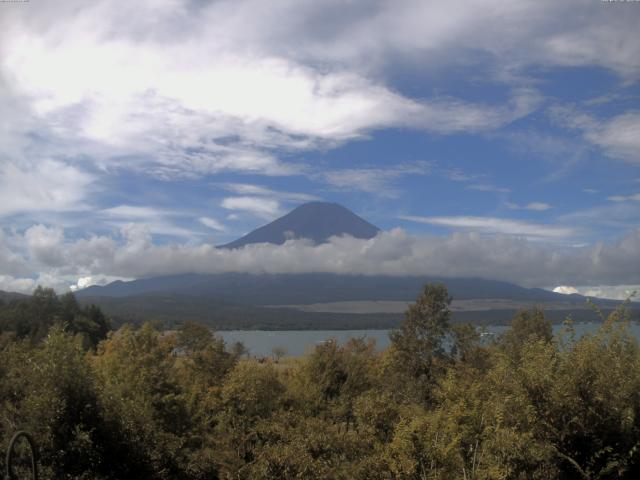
[[635, 197], [379, 181], [259, 190], [212, 223], [535, 206], [487, 187], [496, 225], [618, 136], [154, 220], [457, 175], [259, 206]]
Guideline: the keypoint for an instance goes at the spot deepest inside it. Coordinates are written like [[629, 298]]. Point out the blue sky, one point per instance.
[[137, 137]]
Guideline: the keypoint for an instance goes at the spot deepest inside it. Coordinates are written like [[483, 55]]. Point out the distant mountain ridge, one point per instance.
[[243, 300], [9, 296], [315, 220], [267, 301], [316, 287]]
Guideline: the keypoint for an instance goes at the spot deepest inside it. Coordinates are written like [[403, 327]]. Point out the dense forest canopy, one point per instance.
[[439, 403], [32, 317]]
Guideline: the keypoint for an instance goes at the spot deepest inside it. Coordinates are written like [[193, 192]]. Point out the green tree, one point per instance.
[[251, 394], [418, 345], [49, 391], [527, 326], [144, 405]]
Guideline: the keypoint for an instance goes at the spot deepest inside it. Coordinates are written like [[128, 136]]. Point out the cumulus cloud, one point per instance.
[[84, 282], [11, 262], [179, 88], [175, 88], [45, 245], [60, 261], [565, 289]]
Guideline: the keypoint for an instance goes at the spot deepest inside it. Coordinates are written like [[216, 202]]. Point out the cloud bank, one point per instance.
[[52, 259]]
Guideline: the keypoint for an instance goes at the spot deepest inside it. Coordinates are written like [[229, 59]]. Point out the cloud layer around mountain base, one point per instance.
[[61, 262]]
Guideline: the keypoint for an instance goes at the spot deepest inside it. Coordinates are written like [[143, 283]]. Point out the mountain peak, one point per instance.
[[314, 220]]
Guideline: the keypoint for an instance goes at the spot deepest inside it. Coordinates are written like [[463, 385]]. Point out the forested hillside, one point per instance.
[[437, 404]]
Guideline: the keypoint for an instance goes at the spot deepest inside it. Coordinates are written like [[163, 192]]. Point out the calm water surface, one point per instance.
[[298, 342]]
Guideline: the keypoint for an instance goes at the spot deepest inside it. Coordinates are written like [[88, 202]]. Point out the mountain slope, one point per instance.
[[9, 296], [266, 289], [248, 300], [316, 220]]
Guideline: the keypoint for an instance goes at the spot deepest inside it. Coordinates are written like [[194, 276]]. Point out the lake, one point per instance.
[[298, 342]]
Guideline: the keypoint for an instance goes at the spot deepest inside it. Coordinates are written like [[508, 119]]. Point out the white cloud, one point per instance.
[[612, 216], [373, 180], [160, 99], [202, 89], [560, 152], [154, 220], [20, 285], [132, 212], [179, 88], [260, 206], [617, 292], [84, 282], [625, 198], [592, 43], [212, 223], [565, 290], [45, 245], [497, 225], [485, 187], [461, 254], [457, 175], [618, 136], [11, 262], [46, 186], [535, 206], [259, 190]]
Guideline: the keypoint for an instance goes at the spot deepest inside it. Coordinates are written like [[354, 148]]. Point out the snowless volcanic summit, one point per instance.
[[315, 220]]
